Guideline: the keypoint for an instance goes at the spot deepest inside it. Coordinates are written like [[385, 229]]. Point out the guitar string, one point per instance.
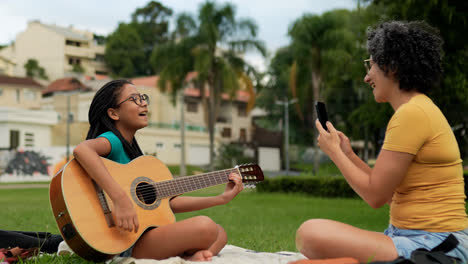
[[176, 186], [179, 185], [169, 186]]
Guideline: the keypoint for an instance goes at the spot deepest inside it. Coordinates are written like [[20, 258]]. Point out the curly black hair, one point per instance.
[[410, 50]]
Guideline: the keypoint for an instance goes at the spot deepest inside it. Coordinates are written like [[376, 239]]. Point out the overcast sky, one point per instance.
[[102, 16]]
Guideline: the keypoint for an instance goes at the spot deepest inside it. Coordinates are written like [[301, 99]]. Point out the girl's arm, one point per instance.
[[88, 154], [375, 186], [182, 204]]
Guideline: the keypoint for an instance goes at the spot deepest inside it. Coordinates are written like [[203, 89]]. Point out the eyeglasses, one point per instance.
[[368, 64], [137, 99]]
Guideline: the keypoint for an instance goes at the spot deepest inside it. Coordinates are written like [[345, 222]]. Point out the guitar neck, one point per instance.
[[181, 185]]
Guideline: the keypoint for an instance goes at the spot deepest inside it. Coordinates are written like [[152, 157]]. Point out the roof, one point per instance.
[[151, 81], [25, 81], [67, 32], [65, 84]]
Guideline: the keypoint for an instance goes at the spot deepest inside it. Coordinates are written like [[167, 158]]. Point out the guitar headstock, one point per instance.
[[250, 173]]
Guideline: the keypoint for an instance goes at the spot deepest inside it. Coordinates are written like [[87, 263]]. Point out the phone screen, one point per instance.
[[321, 114]]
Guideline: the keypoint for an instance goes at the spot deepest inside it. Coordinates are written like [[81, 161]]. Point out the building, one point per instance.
[[6, 66], [22, 123], [59, 50], [162, 137]]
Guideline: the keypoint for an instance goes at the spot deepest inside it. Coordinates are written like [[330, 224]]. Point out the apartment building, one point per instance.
[[59, 50]]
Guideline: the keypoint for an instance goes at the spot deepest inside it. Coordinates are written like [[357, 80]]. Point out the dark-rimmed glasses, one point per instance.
[[368, 64], [137, 99]]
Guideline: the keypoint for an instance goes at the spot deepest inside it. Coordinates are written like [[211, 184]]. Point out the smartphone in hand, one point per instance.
[[322, 114]]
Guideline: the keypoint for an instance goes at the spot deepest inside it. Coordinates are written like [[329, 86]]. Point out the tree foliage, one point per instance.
[[211, 45], [33, 69], [130, 46]]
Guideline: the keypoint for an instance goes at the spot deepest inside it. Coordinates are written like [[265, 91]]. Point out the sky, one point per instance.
[[273, 17]]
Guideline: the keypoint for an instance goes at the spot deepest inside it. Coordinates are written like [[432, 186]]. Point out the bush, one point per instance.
[[316, 186]]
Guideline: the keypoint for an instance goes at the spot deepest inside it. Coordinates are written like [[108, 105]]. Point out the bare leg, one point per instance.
[[215, 248], [320, 238], [197, 235]]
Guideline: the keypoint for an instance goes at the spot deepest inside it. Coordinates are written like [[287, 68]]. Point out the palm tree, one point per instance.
[[320, 45], [215, 43]]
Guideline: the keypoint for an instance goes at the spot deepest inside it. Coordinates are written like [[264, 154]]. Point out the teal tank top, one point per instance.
[[117, 152]]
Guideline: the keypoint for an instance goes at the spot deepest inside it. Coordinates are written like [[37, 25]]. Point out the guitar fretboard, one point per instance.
[[185, 184]]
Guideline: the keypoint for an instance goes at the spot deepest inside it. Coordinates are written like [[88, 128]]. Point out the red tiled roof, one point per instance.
[[65, 84], [27, 81], [98, 77], [152, 81], [241, 95]]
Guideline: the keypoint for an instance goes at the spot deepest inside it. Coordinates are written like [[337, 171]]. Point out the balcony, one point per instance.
[[81, 52]]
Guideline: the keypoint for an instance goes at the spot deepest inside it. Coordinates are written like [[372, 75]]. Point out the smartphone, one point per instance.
[[321, 114]]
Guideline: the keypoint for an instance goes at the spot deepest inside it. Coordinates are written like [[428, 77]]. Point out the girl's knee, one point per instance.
[[206, 227], [222, 235]]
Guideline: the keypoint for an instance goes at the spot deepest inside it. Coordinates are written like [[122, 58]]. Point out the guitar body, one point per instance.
[[80, 216]]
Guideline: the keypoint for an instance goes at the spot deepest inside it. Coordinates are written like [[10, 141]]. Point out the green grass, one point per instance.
[[258, 221], [15, 183]]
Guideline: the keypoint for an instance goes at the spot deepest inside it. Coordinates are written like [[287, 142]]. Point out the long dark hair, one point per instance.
[[99, 120]]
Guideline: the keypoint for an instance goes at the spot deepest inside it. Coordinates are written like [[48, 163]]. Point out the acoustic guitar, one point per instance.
[[83, 211]]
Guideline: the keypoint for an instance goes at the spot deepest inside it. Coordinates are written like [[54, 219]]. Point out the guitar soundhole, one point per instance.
[[146, 193]]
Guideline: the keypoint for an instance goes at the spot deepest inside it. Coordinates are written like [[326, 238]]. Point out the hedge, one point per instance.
[[316, 186]]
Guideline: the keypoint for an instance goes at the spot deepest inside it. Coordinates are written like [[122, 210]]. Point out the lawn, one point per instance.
[[257, 221]]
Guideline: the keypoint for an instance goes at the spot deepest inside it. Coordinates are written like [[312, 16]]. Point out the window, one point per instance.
[[243, 135], [99, 57], [18, 95], [14, 139], [74, 61], [242, 110], [159, 145], [192, 107], [1, 91], [29, 94], [28, 139], [226, 132], [177, 145], [72, 43]]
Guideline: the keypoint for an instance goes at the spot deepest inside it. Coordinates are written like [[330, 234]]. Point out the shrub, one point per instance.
[[316, 186]]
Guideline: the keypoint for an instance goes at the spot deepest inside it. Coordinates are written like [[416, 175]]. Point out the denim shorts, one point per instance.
[[406, 241]]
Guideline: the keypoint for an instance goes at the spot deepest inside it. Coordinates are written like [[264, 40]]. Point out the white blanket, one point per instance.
[[229, 255]]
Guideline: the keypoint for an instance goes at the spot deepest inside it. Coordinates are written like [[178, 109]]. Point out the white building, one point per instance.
[[59, 50]]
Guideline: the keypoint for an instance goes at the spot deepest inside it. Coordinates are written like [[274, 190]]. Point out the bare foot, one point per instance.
[[201, 255]]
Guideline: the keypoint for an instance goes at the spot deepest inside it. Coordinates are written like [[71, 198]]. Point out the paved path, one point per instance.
[[24, 186]]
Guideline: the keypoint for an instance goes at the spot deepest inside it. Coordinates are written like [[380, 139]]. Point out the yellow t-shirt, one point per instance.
[[431, 196]]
